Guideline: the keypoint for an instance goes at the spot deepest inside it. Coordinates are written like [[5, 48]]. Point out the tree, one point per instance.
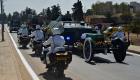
[[77, 11], [89, 12], [16, 16], [101, 8], [56, 12], [135, 28], [109, 17], [49, 14], [116, 8], [27, 14], [67, 17], [126, 18], [9, 17], [124, 8]]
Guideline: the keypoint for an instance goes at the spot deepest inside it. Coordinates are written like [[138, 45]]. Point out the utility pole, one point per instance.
[[2, 22]]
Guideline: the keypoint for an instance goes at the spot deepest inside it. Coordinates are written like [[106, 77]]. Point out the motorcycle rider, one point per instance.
[[98, 29], [37, 35], [23, 31], [55, 41], [118, 36]]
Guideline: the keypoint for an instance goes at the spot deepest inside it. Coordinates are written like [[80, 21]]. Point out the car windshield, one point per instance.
[[79, 30]]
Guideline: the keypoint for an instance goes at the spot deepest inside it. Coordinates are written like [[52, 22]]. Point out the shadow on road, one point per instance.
[[34, 55], [96, 59], [91, 63], [23, 47], [51, 76], [102, 60], [1, 41], [124, 63], [129, 55]]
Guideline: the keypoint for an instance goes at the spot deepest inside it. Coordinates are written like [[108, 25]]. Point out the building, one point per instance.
[[136, 6], [103, 8], [97, 19]]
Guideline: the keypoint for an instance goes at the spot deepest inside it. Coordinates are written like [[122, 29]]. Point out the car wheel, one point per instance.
[[87, 50]]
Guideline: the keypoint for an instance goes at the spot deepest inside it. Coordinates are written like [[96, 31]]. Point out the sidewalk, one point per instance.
[[11, 67], [134, 49]]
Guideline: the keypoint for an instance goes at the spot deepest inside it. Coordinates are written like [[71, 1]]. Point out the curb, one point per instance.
[[133, 51], [26, 64]]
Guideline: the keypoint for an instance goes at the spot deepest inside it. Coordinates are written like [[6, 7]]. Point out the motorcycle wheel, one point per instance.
[[24, 46], [60, 72], [38, 52]]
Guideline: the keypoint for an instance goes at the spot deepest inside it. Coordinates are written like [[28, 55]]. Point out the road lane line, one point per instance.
[[26, 64]]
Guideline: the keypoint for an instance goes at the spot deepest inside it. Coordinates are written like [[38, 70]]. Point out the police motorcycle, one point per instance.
[[24, 40], [23, 37], [59, 60], [60, 57], [36, 45], [120, 46]]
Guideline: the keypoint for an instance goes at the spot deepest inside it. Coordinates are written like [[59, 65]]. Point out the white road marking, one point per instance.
[[133, 53], [26, 64]]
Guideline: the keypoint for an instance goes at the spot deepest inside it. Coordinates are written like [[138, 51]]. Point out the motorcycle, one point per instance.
[[58, 61], [37, 47], [23, 40]]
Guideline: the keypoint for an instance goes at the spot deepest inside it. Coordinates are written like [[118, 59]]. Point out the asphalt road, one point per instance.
[[103, 67]]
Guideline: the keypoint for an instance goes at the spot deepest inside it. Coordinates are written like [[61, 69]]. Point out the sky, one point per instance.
[[17, 5]]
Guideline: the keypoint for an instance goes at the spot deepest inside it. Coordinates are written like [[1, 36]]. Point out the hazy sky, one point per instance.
[[38, 5]]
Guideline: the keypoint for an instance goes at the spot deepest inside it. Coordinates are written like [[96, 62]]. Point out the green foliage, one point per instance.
[[56, 12], [3, 18], [67, 16], [136, 24], [9, 17], [27, 14], [16, 16], [126, 18], [49, 13], [101, 8], [77, 11], [89, 12], [124, 8], [104, 8]]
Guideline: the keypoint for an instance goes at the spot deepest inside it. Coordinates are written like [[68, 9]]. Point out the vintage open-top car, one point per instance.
[[101, 44]]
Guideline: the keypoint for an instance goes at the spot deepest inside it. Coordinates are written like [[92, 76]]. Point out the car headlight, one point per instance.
[[68, 38]]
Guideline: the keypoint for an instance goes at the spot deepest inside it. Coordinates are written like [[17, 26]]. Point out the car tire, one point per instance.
[[87, 50]]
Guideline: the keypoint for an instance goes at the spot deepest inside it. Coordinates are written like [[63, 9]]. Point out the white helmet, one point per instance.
[[38, 27], [120, 28]]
